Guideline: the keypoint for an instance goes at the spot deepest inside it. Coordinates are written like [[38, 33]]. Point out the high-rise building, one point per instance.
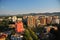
[[36, 16], [55, 19], [37, 22], [31, 21], [48, 19], [42, 20], [25, 20], [19, 26]]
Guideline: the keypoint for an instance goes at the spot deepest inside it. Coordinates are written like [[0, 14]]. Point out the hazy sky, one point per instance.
[[28, 6]]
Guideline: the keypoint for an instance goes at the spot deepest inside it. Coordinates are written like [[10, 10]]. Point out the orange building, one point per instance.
[[19, 26]]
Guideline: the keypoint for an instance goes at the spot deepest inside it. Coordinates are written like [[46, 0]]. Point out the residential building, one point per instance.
[[36, 16], [31, 21], [55, 19], [37, 22], [11, 25], [1, 19], [14, 18], [42, 20], [48, 19], [3, 36], [20, 19], [19, 26], [25, 20], [10, 18], [17, 37]]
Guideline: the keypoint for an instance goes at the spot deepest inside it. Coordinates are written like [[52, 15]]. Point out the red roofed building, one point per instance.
[[3, 36]]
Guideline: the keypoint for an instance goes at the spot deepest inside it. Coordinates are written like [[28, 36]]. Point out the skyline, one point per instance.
[[28, 6]]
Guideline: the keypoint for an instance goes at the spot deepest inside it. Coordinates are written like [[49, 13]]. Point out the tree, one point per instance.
[[33, 35], [27, 35]]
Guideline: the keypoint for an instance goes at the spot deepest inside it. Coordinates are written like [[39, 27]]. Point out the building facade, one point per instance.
[[55, 19], [48, 19], [14, 18], [42, 20], [31, 21]]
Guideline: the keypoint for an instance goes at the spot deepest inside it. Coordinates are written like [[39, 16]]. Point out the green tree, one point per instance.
[[33, 35], [27, 35]]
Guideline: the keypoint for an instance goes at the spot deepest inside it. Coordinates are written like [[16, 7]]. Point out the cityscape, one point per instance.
[[32, 27], [29, 19]]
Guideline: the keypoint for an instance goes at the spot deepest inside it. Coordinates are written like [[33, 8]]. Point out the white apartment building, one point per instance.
[[14, 18]]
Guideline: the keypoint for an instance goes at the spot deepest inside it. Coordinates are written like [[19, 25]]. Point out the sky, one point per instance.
[[28, 6]]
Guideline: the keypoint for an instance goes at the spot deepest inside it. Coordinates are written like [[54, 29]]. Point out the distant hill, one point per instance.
[[49, 14], [54, 13]]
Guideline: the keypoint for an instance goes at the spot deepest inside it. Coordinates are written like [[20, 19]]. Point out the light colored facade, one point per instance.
[[37, 22], [42, 20], [55, 17], [14, 18], [36, 16], [31, 21], [19, 19], [55, 20], [10, 18], [48, 19], [12, 26], [1, 19]]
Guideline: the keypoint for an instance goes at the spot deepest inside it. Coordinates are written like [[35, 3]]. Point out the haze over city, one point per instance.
[[28, 6]]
